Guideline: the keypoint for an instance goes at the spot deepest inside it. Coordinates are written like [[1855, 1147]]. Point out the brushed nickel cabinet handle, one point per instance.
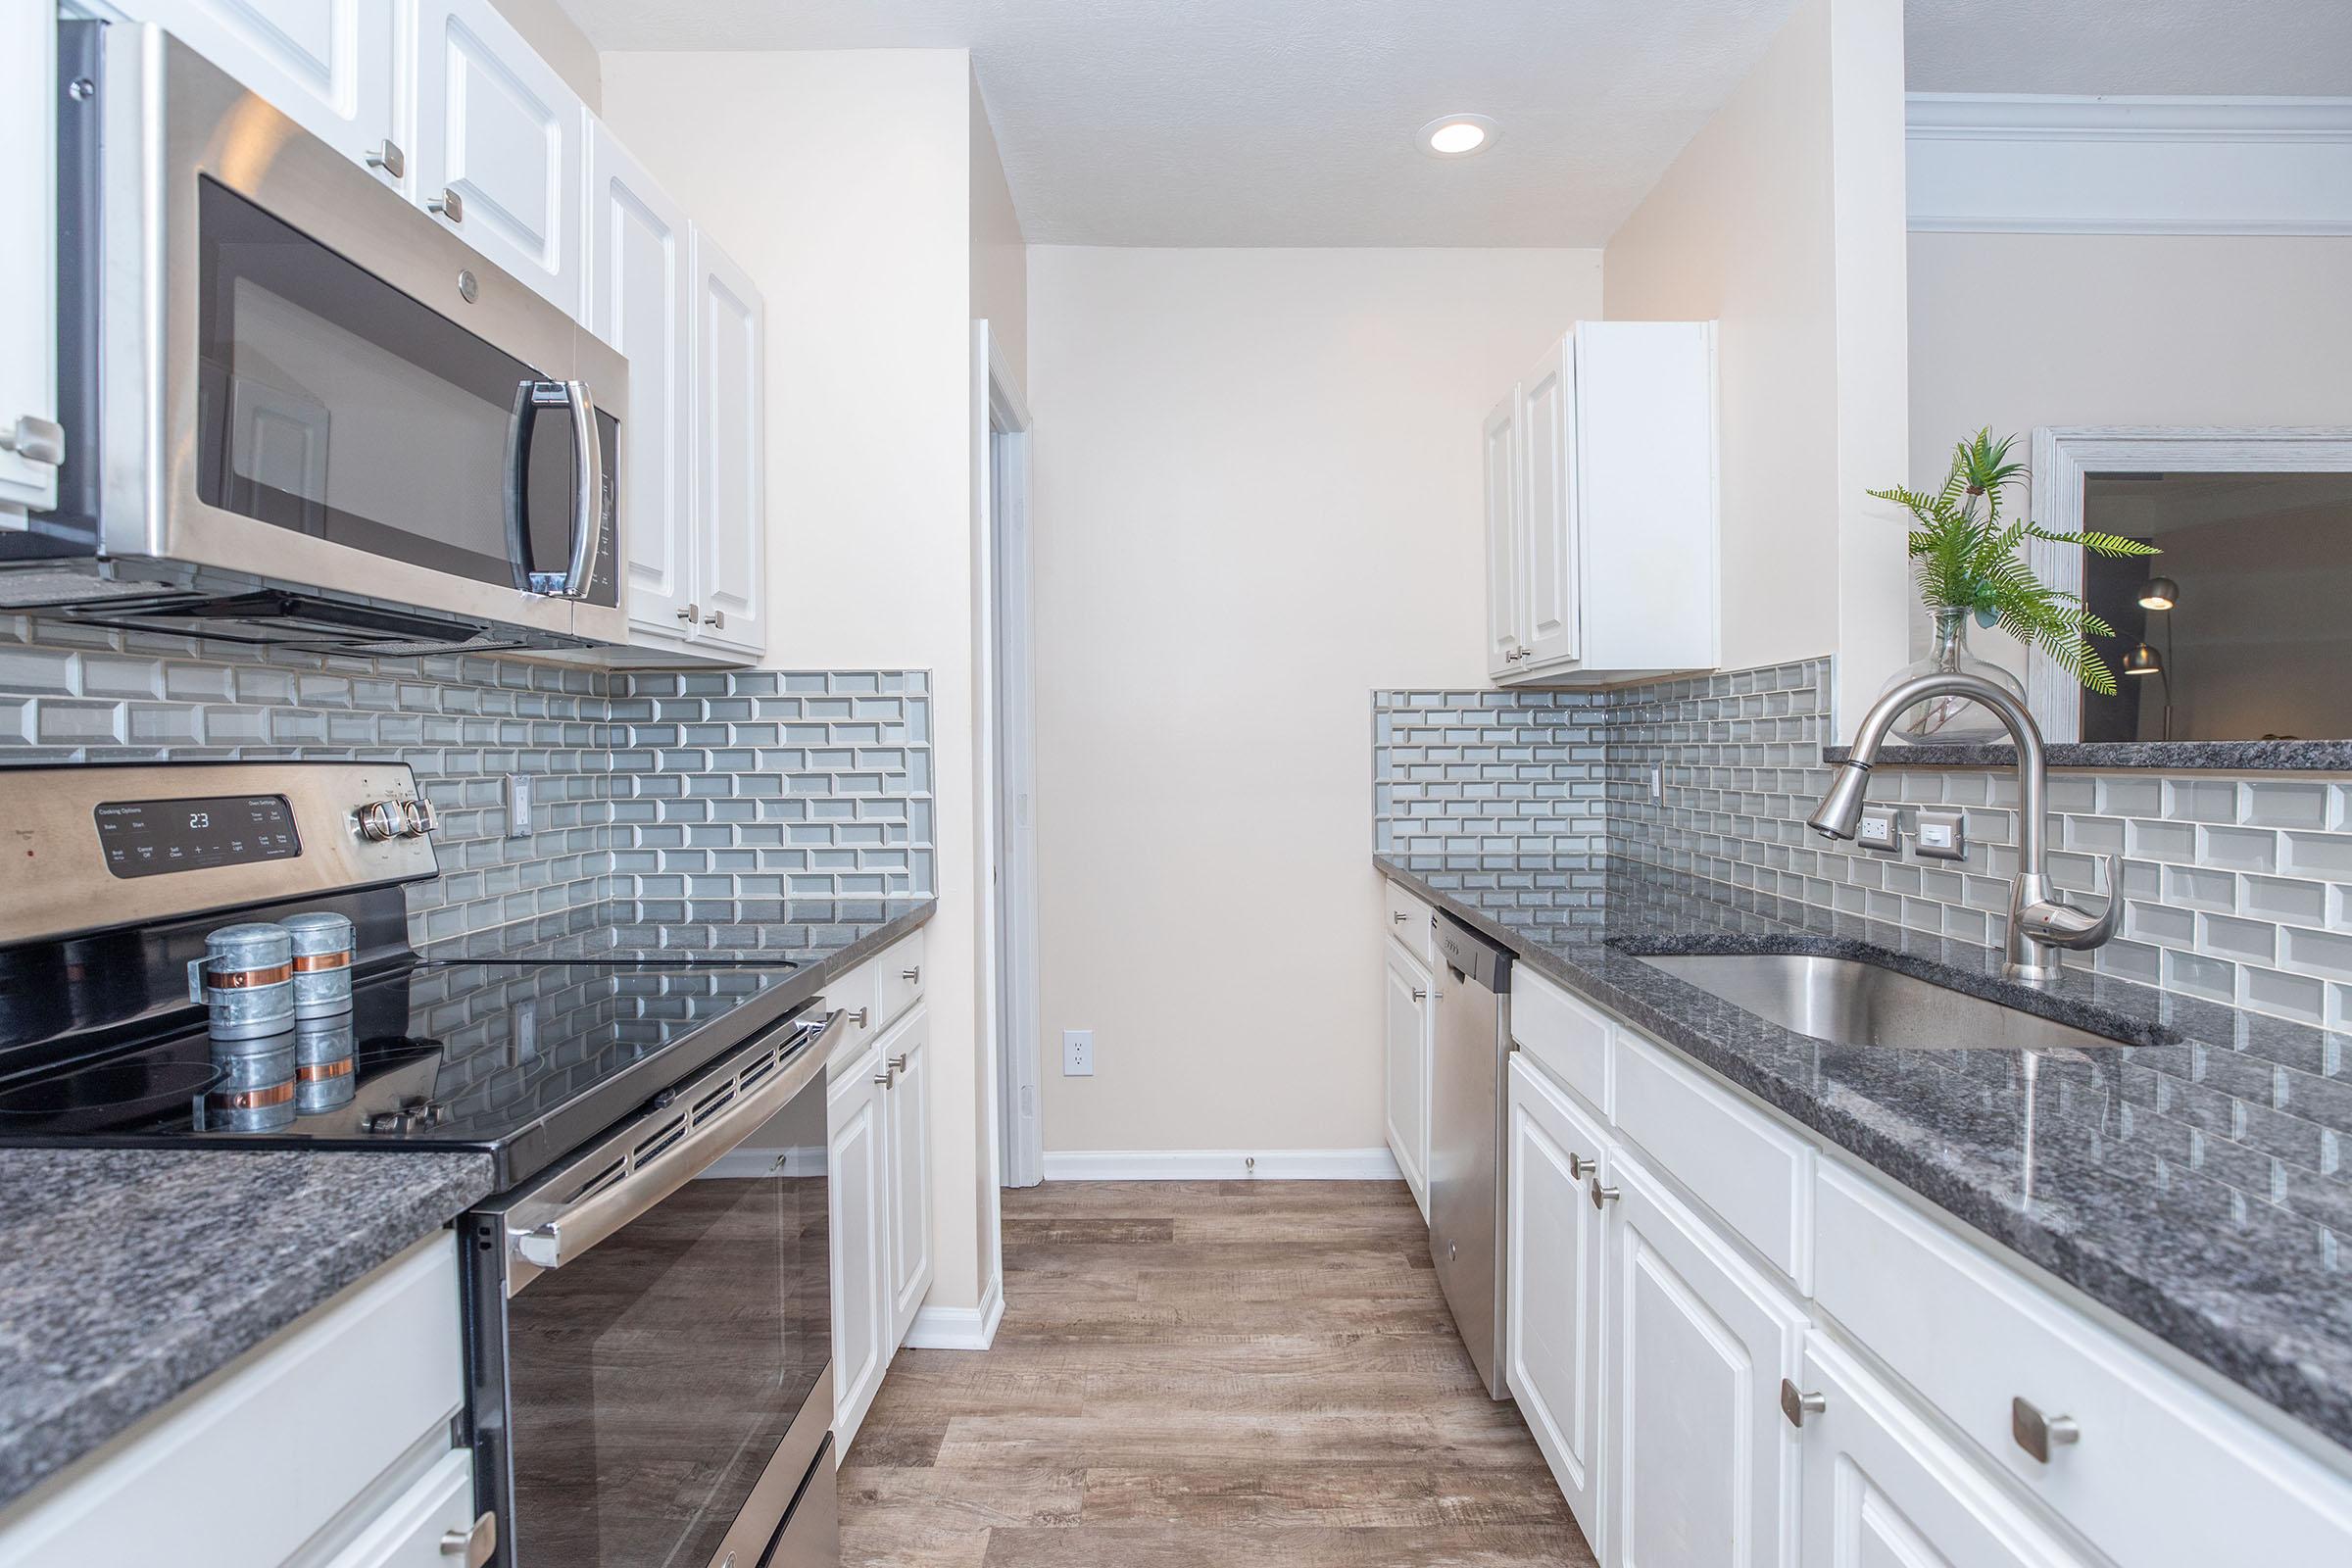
[[1400, 916], [914, 976], [897, 1063], [388, 156], [1578, 1168], [1796, 1404], [450, 205], [1420, 994], [474, 1544], [2038, 1434], [858, 1018], [717, 618], [1601, 1195], [888, 1077], [690, 612]]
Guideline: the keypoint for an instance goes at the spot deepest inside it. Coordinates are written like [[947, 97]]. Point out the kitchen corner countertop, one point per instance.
[[2176, 756], [128, 1276], [2192, 1183]]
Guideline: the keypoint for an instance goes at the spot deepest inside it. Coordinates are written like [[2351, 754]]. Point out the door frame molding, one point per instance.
[[1012, 1141]]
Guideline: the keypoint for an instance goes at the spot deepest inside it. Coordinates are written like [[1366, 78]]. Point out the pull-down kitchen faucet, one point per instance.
[[2040, 924]]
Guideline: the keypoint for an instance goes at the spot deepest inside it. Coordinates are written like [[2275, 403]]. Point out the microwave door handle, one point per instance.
[[587, 489], [518, 470], [562, 1237]]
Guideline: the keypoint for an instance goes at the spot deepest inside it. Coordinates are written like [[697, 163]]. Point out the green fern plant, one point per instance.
[[1967, 559]]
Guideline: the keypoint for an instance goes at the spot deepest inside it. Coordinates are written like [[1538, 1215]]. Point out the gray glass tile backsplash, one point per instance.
[[2238, 889], [753, 784]]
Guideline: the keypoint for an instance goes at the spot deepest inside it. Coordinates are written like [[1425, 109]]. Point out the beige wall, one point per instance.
[[546, 28], [1256, 499], [841, 182], [1783, 219], [2018, 330], [1000, 257]]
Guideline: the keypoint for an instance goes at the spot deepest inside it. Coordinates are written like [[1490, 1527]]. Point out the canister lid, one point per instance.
[[251, 946], [319, 931]]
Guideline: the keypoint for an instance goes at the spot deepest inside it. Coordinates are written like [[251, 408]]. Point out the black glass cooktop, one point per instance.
[[522, 1060]]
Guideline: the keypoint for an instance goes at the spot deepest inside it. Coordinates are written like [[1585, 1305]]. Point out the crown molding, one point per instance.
[[2036, 164]]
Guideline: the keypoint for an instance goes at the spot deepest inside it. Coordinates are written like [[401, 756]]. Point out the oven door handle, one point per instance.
[[562, 1237], [587, 488]]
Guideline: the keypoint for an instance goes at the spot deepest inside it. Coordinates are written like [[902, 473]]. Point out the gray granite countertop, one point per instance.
[[2177, 756], [2193, 1184], [128, 1276]]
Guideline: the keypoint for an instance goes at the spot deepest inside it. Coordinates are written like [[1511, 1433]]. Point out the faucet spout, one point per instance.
[[2040, 924]]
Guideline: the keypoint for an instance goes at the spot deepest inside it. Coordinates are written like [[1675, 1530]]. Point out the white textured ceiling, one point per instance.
[[2270, 48], [1289, 122]]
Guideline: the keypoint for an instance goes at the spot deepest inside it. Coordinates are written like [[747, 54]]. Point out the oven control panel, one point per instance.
[[110, 846]]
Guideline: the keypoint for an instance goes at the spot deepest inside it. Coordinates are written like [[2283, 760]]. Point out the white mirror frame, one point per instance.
[[2064, 454]]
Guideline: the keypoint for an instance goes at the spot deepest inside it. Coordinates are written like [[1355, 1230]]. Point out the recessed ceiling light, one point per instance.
[[1458, 135]]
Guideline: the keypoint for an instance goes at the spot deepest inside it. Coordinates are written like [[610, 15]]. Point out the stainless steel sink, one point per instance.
[[1848, 1002]]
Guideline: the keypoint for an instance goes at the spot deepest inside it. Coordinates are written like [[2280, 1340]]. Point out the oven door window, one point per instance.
[[332, 403], [653, 1377]]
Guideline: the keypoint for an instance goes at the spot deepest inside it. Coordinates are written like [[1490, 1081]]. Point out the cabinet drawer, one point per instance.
[[1408, 920], [1972, 1336], [1757, 1178], [335, 1400], [410, 1533], [1567, 1039], [900, 971], [860, 995]]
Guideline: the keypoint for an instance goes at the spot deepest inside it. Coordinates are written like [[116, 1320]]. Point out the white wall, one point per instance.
[[1256, 499], [1784, 221], [558, 40], [2018, 330], [841, 182]]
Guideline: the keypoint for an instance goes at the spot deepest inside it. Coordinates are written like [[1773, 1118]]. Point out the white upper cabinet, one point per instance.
[[30, 440], [1601, 517], [1507, 537], [498, 153], [730, 464], [639, 302], [328, 65], [1550, 557]]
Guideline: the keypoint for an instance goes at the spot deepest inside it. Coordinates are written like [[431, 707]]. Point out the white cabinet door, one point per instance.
[[1408, 991], [858, 1181], [28, 260], [1702, 1467], [639, 302], [907, 1114], [499, 132], [1548, 512], [731, 473], [1556, 1302], [325, 63], [1881, 1487], [1506, 568]]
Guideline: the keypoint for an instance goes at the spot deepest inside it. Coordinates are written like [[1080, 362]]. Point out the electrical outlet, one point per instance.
[[1657, 784], [1878, 830], [519, 806], [1077, 1053]]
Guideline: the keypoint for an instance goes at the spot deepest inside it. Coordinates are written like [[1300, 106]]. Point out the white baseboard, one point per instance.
[[960, 1327], [1221, 1165]]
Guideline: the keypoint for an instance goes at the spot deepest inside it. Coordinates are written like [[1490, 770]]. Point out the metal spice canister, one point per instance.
[[322, 1063], [256, 1090], [246, 980], [323, 950]]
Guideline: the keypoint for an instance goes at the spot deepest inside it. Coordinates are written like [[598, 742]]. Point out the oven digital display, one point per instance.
[[147, 838]]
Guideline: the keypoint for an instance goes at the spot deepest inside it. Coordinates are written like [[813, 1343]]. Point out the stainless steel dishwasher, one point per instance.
[[1466, 1145]]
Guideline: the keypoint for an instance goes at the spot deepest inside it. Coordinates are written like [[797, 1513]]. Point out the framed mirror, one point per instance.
[[2240, 629]]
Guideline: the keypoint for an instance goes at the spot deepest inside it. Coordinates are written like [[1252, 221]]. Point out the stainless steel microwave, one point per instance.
[[283, 384]]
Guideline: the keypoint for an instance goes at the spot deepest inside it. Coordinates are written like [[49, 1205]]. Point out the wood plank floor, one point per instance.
[[1202, 1373]]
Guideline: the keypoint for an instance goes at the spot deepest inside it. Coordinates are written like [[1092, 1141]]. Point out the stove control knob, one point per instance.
[[417, 818], [379, 821]]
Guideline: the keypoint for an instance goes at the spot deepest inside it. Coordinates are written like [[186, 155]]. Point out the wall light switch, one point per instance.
[[519, 806], [1942, 833], [1077, 1053], [1880, 828]]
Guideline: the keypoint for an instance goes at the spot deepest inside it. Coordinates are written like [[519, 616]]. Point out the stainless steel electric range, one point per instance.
[[648, 1294]]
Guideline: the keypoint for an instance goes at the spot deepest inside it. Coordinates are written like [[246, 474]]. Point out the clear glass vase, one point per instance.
[[1952, 720]]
